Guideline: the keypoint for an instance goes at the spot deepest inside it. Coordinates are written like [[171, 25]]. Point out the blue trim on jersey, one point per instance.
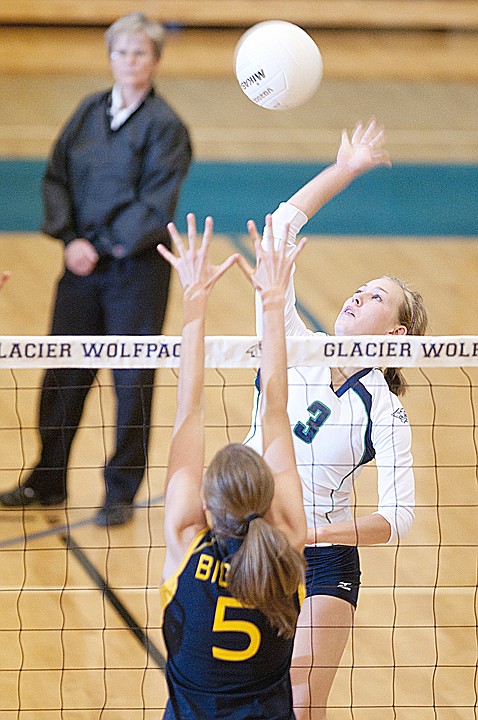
[[365, 396], [253, 430], [257, 381], [351, 381]]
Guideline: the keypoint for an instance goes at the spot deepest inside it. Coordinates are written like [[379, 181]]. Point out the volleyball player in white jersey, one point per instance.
[[341, 419]]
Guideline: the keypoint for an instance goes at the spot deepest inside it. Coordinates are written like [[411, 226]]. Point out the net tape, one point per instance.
[[230, 351]]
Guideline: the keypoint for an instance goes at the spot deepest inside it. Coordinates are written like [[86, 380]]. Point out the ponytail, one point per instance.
[[413, 315], [396, 381], [265, 573]]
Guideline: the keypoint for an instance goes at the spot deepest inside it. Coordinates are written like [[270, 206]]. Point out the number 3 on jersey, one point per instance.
[[235, 626], [318, 415]]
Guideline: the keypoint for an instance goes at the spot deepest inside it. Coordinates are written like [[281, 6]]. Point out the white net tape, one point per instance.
[[228, 351]]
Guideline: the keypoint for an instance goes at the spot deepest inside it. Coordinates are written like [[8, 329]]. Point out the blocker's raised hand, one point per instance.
[[192, 263], [273, 266]]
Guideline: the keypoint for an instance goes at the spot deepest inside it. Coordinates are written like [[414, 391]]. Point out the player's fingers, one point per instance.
[[298, 248], [208, 230], [369, 131], [176, 238], [268, 234], [345, 138], [254, 236], [221, 269], [167, 254], [259, 250], [357, 133], [378, 137], [203, 254], [192, 232], [252, 230], [246, 268]]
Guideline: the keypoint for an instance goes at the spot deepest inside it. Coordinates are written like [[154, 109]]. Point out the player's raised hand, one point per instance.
[[273, 267], [192, 263], [365, 150]]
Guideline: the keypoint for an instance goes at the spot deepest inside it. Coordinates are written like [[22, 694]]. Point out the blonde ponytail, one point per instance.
[[265, 573], [413, 315], [266, 570]]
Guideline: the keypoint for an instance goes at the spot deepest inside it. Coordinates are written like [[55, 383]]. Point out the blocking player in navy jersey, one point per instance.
[[234, 534], [342, 418]]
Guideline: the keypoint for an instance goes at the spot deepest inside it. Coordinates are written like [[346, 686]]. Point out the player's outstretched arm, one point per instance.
[[270, 278], [363, 152], [184, 514]]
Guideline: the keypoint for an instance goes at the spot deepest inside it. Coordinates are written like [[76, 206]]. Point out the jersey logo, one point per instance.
[[401, 415], [345, 585]]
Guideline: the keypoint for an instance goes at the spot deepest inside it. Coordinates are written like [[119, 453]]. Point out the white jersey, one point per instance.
[[336, 433]]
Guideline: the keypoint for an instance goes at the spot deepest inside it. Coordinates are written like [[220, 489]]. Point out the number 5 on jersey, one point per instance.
[[236, 626]]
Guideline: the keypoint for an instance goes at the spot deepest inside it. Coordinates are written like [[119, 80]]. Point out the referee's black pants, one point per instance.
[[121, 297]]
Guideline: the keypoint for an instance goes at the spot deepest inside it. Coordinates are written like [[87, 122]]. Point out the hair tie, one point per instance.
[[249, 518]]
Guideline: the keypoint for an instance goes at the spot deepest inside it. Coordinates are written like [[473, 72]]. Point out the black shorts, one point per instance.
[[333, 570]]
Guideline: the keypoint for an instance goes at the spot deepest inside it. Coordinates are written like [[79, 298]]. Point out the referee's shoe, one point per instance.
[[23, 496]]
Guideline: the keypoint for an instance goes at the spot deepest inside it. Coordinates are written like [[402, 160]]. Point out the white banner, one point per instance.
[[127, 351]]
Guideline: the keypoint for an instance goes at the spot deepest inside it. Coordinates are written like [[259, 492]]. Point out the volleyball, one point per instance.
[[278, 65]]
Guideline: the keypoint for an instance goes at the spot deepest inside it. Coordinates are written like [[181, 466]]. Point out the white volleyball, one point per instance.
[[278, 65]]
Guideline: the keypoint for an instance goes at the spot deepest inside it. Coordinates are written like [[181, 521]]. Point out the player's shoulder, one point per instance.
[[384, 401], [375, 381], [179, 554]]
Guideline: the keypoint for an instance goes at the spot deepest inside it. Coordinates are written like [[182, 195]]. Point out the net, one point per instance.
[[81, 618]]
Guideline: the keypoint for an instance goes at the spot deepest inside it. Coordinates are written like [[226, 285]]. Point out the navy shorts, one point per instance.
[[333, 570]]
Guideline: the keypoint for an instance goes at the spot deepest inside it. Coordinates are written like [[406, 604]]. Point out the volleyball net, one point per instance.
[[81, 618]]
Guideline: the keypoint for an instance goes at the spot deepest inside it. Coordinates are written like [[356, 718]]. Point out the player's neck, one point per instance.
[[340, 375]]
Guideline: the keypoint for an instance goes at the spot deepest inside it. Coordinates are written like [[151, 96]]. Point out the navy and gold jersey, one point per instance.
[[224, 660]]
